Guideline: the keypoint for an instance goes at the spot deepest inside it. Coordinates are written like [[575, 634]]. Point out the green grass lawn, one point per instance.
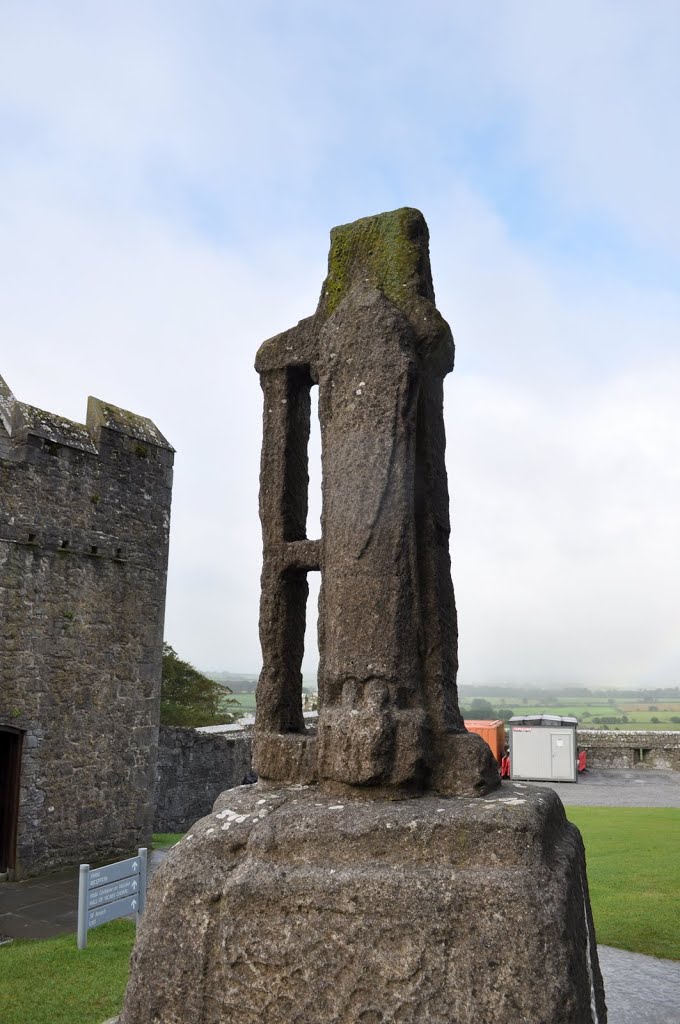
[[164, 840], [53, 982], [633, 872], [633, 859]]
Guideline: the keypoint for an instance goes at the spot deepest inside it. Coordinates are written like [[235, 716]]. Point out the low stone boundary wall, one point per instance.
[[619, 749], [193, 769]]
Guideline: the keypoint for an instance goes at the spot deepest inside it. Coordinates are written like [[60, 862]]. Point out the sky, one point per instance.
[[169, 174]]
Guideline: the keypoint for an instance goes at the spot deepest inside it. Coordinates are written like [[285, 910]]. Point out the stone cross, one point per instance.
[[378, 349]]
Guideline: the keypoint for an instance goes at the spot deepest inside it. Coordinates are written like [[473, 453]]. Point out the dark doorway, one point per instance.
[[10, 766]]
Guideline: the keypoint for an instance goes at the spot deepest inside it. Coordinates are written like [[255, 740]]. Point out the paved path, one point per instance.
[[629, 787], [639, 989]]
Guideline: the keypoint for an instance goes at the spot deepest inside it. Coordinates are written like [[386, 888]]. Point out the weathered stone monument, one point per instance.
[[378, 349], [377, 873]]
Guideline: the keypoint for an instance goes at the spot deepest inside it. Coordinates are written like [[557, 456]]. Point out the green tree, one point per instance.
[[188, 697], [482, 708]]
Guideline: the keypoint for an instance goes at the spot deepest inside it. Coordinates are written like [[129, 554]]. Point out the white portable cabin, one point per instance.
[[543, 748]]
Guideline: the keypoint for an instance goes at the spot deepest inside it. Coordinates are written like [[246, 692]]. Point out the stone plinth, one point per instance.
[[291, 907]]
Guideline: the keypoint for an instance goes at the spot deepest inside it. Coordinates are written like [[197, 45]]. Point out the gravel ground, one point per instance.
[[629, 787]]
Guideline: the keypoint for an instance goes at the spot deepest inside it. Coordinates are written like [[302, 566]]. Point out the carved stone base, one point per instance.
[[290, 756], [292, 907], [464, 764]]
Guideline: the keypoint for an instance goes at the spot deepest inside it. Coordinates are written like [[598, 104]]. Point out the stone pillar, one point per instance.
[[287, 558], [388, 707], [372, 723]]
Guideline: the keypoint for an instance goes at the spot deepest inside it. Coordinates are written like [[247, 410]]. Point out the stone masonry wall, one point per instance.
[[193, 769], [619, 749], [84, 525]]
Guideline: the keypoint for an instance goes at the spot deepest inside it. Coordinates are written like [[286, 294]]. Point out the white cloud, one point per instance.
[[566, 562]]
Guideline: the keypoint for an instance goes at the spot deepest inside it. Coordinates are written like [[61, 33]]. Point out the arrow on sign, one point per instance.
[[134, 885], [135, 865], [133, 904]]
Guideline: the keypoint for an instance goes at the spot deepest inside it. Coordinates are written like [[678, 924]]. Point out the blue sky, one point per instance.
[[168, 177]]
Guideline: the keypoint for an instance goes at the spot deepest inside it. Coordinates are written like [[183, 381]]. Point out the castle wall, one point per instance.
[[193, 769], [84, 525], [630, 748]]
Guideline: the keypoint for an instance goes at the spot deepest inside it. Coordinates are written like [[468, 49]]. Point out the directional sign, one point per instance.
[[110, 911], [115, 891], [112, 872]]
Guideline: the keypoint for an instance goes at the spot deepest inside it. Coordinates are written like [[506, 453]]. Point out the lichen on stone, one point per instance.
[[103, 414], [52, 427], [389, 250]]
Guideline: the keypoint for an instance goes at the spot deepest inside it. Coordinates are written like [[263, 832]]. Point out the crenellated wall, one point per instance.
[[619, 749], [84, 526]]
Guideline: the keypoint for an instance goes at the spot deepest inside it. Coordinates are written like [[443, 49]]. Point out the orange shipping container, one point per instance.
[[493, 732]]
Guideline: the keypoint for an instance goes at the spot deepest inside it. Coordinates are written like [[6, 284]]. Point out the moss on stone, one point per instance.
[[389, 249], [103, 414], [124, 418]]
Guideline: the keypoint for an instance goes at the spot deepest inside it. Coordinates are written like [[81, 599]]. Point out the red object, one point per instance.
[[505, 767], [582, 761]]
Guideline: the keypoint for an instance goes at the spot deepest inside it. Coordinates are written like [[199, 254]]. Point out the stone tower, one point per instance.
[[84, 525]]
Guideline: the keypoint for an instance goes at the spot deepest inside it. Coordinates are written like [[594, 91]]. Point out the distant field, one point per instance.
[[246, 701], [670, 706], [165, 840], [638, 714]]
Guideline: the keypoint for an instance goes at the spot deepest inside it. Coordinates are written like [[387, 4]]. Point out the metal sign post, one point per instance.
[[112, 891]]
